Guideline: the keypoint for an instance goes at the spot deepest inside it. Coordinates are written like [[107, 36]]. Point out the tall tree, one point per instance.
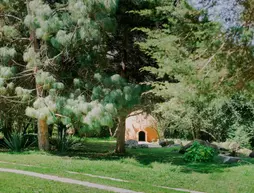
[[66, 54], [63, 41], [208, 64], [183, 43]]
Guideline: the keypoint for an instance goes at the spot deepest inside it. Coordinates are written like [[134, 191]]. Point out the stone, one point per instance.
[[174, 145], [225, 145], [164, 143], [251, 154], [131, 143], [143, 145], [178, 141], [184, 142], [244, 152], [228, 159], [234, 146]]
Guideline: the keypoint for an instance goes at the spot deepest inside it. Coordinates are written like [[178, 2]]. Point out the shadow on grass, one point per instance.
[[104, 151]]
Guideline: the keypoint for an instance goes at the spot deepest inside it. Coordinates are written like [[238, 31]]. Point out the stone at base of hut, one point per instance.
[[142, 145], [131, 143], [228, 159]]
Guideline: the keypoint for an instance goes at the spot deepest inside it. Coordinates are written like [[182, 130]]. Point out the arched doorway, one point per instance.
[[141, 136]]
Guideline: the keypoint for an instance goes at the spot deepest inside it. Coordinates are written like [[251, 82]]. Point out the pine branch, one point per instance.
[[11, 16], [212, 57]]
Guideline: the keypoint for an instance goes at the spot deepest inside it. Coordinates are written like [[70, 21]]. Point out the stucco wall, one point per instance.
[[137, 122]]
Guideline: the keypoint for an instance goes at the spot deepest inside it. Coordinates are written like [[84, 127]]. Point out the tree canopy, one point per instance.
[[87, 64]]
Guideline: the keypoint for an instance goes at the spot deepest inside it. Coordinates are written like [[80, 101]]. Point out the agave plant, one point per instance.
[[16, 141]]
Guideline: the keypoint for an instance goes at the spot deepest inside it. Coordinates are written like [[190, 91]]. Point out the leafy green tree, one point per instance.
[[204, 66], [65, 56], [182, 45], [63, 41]]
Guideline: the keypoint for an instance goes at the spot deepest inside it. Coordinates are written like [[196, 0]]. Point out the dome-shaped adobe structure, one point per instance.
[[141, 126]]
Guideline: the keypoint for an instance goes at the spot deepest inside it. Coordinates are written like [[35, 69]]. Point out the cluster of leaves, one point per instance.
[[186, 83], [64, 144], [110, 96], [16, 141], [200, 68], [57, 47], [233, 121], [199, 153]]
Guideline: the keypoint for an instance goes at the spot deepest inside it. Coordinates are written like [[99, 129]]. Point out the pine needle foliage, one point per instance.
[[182, 45], [50, 54], [200, 68]]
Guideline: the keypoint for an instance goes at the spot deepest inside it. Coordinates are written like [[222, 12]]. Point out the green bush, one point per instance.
[[199, 153], [64, 144], [16, 142]]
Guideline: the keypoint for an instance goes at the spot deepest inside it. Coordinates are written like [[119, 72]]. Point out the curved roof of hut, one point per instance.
[[141, 120]]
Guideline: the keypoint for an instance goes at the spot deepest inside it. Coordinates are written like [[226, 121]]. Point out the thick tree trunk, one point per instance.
[[120, 142], [43, 132], [43, 135]]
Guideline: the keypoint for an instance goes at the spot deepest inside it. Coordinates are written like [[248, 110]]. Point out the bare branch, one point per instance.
[[212, 57], [11, 16]]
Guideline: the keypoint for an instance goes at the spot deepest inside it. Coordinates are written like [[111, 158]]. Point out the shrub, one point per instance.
[[199, 153], [16, 142], [63, 144], [31, 140], [241, 134]]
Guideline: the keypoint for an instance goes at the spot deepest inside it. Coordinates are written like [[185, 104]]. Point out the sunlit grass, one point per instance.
[[143, 168], [14, 183]]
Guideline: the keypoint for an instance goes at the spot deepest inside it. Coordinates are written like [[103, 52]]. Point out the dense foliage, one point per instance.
[[63, 54], [82, 65], [199, 153]]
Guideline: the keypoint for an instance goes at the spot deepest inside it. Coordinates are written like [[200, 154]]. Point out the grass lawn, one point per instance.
[[13, 183], [142, 168]]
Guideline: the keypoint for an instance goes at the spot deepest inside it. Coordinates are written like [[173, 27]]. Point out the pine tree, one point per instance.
[[63, 41], [65, 54], [200, 66], [184, 44]]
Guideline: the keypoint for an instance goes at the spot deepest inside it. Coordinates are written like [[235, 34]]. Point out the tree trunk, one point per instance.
[[43, 135], [120, 142], [43, 132]]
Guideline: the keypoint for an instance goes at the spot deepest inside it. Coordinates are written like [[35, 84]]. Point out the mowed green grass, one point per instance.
[[14, 183], [144, 169]]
